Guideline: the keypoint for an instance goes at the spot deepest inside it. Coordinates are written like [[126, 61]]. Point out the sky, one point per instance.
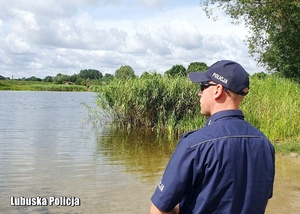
[[43, 38]]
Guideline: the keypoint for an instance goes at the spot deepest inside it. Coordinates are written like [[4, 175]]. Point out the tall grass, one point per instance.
[[155, 102], [172, 105], [273, 106]]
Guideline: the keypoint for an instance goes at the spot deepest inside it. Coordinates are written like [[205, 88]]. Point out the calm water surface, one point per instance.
[[48, 148]]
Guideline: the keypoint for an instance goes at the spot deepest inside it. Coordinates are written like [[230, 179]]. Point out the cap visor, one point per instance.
[[198, 77]]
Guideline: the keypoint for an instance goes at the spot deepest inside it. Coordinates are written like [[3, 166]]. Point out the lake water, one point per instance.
[[50, 153]]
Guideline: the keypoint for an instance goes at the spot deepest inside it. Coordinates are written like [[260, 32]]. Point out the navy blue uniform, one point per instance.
[[225, 167]]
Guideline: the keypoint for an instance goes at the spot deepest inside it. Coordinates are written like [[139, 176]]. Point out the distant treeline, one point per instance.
[[87, 76], [92, 79]]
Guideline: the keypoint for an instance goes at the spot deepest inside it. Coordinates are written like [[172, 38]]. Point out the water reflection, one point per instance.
[[141, 152], [144, 156]]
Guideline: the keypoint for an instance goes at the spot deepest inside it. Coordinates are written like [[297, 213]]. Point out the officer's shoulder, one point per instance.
[[198, 133], [186, 134]]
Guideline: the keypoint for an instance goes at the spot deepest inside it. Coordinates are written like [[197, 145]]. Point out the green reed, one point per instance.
[[172, 105], [273, 106], [155, 102]]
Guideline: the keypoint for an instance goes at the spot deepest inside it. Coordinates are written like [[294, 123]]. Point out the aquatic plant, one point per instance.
[[151, 101], [273, 106], [171, 104]]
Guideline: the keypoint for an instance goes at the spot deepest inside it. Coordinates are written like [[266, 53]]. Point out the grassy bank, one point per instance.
[[171, 105], [17, 85]]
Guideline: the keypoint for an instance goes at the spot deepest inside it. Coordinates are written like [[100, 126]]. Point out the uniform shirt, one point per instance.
[[225, 167]]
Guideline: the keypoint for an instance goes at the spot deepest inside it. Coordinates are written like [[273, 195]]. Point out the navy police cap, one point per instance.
[[229, 74]]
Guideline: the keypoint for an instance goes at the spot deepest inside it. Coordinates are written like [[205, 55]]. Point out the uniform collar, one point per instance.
[[222, 114]]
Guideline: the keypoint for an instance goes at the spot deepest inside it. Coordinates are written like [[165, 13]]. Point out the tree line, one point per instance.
[[87, 76]]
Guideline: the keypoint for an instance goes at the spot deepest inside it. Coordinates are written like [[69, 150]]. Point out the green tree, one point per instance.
[[91, 74], [33, 78], [177, 70], [80, 81], [197, 67], [274, 27], [151, 74], [73, 77], [61, 78], [48, 79], [260, 75], [108, 77], [124, 72], [2, 77], [145, 75]]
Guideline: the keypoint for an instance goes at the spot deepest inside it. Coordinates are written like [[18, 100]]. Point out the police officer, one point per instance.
[[225, 167]]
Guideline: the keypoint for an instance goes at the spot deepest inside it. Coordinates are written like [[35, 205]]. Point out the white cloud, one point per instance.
[[35, 65], [153, 3], [16, 45], [183, 34], [48, 37], [49, 8], [1, 25]]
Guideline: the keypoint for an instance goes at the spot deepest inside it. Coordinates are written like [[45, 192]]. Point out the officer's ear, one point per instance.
[[219, 89]]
